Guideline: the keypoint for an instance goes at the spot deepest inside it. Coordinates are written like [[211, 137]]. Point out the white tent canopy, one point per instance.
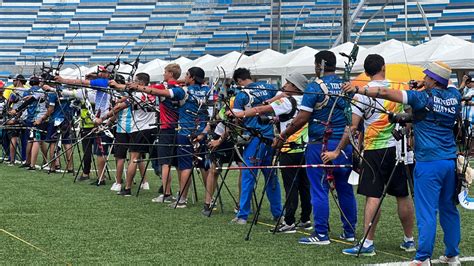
[[227, 62], [279, 66], [385, 49], [255, 61], [154, 68], [344, 48], [423, 53], [199, 62], [459, 58]]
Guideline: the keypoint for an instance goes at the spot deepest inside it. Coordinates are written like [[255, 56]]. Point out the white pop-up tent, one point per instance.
[[199, 62], [158, 73], [282, 66], [459, 58], [344, 48], [255, 61], [154, 68], [385, 49], [227, 62], [423, 53]]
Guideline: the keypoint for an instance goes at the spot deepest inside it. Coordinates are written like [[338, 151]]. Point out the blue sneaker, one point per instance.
[[347, 237], [315, 239], [408, 246], [368, 251]]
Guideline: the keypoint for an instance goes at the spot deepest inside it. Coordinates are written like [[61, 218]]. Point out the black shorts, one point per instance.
[[13, 133], [382, 162], [41, 132], [140, 141], [63, 129], [167, 154], [122, 141]]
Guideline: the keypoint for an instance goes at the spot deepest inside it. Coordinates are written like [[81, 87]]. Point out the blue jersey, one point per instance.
[[318, 117], [31, 109], [435, 113], [256, 94], [61, 108], [102, 99], [193, 113]]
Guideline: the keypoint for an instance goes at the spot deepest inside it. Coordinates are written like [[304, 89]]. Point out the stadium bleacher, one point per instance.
[[35, 31]]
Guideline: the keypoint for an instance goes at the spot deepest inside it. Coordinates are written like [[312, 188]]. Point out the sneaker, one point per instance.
[[145, 186], [368, 251], [125, 192], [236, 209], [83, 178], [420, 263], [239, 221], [116, 187], [206, 210], [347, 237], [178, 204], [70, 171], [450, 260], [163, 199], [31, 168], [284, 228], [315, 239], [98, 183], [305, 225], [24, 165], [408, 246]]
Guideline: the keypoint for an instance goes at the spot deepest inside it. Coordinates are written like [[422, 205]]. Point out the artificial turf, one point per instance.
[[78, 223]]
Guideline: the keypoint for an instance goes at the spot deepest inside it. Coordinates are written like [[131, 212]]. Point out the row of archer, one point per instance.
[[316, 136]]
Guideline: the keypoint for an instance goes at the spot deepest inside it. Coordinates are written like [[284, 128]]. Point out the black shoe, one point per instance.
[[206, 210], [70, 171], [32, 168], [24, 165], [125, 192], [97, 183], [83, 178]]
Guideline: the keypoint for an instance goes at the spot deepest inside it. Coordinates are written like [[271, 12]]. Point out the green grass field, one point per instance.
[[83, 224]]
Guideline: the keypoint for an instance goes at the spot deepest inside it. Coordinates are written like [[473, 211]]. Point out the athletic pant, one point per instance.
[[296, 180], [259, 153], [435, 184], [320, 188], [87, 149]]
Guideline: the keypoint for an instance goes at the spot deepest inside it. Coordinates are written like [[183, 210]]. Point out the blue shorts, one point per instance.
[[185, 154], [102, 144], [63, 130]]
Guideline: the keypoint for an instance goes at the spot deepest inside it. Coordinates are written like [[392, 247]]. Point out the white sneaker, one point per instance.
[[450, 260], [162, 199], [145, 186], [426, 262], [116, 187]]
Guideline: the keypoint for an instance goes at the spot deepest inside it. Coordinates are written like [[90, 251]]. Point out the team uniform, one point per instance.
[[122, 133], [295, 180], [59, 123], [102, 105], [258, 151], [435, 111], [143, 123], [320, 188], [168, 124], [379, 145]]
